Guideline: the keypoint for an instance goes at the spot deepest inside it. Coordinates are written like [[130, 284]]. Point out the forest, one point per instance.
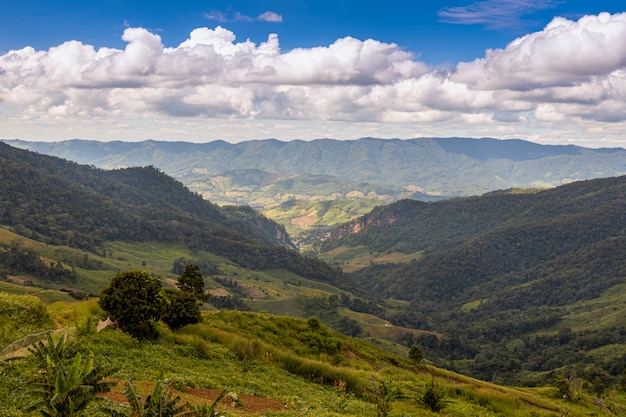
[[513, 286]]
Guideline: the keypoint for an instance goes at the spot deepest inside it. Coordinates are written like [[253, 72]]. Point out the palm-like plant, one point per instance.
[[204, 410], [65, 389], [160, 403]]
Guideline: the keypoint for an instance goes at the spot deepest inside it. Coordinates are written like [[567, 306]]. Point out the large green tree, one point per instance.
[[192, 282], [135, 300], [182, 308]]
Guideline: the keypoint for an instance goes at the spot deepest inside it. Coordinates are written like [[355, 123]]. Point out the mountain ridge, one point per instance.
[[436, 166]]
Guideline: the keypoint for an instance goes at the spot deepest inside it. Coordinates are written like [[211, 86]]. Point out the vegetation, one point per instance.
[[286, 371], [267, 173], [134, 300], [511, 287], [136, 205], [66, 387], [504, 278], [192, 282]]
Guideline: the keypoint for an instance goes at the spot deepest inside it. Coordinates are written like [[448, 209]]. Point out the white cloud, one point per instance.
[[570, 77], [563, 54], [270, 17]]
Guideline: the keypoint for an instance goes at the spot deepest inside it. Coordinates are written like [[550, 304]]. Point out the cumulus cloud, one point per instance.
[[571, 77]]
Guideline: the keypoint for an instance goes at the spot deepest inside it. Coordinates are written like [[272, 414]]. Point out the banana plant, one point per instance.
[[66, 389], [162, 403]]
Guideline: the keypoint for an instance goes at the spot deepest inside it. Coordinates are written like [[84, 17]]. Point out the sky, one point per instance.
[[548, 71]]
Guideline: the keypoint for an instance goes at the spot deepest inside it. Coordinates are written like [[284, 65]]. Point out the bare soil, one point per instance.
[[247, 404]]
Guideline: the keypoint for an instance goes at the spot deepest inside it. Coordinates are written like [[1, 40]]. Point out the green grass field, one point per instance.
[[306, 370]]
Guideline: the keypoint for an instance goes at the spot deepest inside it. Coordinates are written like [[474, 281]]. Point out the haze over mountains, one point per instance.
[[264, 173]]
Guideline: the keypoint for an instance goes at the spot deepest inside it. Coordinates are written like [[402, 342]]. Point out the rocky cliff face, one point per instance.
[[355, 226]]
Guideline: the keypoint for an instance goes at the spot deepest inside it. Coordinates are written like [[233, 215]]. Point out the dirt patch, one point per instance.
[[237, 404], [219, 292], [306, 220], [256, 293]]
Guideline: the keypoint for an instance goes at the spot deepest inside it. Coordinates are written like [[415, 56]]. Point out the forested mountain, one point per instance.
[[505, 273], [63, 203], [392, 169]]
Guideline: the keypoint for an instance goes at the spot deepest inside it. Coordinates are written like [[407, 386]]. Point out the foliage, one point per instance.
[[192, 282], [134, 299], [498, 268], [20, 315], [136, 205], [433, 396], [207, 267], [65, 388], [206, 409], [416, 355], [181, 308], [384, 393], [161, 403]]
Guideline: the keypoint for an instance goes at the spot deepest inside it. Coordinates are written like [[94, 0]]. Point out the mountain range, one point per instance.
[[511, 286], [386, 169]]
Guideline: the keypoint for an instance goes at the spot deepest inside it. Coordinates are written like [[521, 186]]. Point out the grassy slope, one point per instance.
[[289, 366]]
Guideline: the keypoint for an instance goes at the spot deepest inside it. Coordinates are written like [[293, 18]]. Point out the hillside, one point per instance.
[[502, 276], [266, 365], [267, 173], [60, 203]]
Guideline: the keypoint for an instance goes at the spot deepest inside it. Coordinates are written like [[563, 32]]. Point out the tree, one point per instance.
[[415, 354], [134, 299], [192, 282], [181, 309]]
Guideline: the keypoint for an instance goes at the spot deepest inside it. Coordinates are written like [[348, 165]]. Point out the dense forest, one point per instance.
[[62, 203], [496, 272]]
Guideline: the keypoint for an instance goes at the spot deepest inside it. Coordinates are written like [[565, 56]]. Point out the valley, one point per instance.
[[518, 287]]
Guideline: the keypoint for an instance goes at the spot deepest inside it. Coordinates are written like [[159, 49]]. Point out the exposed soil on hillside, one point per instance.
[[246, 404]]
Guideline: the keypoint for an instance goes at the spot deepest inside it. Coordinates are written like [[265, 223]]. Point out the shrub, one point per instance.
[[134, 299], [180, 309], [433, 396]]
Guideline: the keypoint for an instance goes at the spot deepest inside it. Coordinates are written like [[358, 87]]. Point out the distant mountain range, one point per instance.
[[265, 173]]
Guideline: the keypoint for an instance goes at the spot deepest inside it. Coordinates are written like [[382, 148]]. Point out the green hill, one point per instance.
[[502, 276], [60, 203], [273, 366]]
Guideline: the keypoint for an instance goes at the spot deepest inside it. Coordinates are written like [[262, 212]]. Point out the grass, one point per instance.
[[288, 365], [353, 259]]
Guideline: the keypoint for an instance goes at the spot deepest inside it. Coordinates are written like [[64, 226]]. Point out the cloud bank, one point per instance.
[[564, 82]]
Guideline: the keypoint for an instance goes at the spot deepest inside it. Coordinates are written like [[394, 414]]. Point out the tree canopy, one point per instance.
[[134, 299]]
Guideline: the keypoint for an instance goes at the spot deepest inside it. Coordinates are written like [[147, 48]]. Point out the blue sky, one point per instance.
[[301, 69]]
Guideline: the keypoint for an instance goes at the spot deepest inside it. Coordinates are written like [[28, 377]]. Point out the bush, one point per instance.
[[134, 299], [433, 396], [180, 309]]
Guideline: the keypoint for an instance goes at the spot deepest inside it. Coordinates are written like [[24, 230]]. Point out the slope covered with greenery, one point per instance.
[[264, 365], [503, 276]]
